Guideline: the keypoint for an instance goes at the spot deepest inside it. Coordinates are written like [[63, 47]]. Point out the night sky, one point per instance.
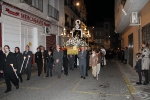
[[97, 10]]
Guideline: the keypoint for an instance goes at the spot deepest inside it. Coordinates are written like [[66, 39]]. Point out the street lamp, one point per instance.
[[77, 4]]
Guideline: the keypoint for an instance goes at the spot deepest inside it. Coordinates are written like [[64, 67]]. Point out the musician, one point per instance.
[[28, 62], [19, 59], [9, 74], [38, 60]]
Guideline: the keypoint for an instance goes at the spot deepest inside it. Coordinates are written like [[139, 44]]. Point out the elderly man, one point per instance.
[[58, 61], [28, 61], [82, 62]]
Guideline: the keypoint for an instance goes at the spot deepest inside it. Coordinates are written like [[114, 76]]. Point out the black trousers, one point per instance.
[[10, 77], [146, 75], [140, 75], [65, 65], [28, 72], [75, 61], [44, 65], [20, 76], [49, 69], [39, 65]]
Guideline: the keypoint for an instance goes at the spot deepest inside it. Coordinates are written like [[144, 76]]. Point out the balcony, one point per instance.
[[52, 12], [69, 4], [122, 20]]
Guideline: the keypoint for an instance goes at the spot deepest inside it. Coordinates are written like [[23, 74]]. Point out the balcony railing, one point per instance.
[[52, 12], [69, 4]]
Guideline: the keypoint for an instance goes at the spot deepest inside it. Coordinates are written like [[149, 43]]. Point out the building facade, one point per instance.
[[132, 34], [30, 22], [103, 34], [73, 10]]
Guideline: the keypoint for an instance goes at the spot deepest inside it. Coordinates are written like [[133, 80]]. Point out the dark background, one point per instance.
[[97, 10]]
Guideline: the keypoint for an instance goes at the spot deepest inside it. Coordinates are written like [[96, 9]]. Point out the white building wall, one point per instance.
[[11, 32]]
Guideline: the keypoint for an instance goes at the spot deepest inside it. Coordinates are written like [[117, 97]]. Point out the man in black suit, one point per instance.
[[8, 58], [28, 62], [1, 53], [65, 61]]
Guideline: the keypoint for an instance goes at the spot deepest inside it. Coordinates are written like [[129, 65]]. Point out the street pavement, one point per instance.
[[110, 86]]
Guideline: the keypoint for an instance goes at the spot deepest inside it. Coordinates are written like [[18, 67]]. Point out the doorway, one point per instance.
[[130, 48]]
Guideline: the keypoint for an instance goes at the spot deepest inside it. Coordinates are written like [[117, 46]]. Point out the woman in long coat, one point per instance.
[[19, 59], [145, 61]]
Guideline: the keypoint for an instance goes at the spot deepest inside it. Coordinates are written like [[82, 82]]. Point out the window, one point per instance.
[[38, 4], [52, 12], [72, 21], [106, 26], [66, 20], [146, 33]]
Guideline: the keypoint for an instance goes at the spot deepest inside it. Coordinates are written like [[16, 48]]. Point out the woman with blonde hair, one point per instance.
[[93, 63]]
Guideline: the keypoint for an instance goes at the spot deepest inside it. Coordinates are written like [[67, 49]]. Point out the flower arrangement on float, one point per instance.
[[73, 45]]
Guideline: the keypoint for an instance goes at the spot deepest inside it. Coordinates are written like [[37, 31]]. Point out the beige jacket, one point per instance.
[[93, 60]]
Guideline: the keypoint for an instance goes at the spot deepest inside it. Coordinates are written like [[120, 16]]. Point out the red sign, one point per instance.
[[23, 15]]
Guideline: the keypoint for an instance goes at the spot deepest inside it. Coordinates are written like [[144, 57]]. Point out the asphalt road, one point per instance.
[[110, 86]]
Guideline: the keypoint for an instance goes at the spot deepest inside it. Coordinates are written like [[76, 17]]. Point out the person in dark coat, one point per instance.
[[82, 62], [50, 63], [19, 59], [38, 60], [138, 67], [65, 61], [87, 61], [58, 61], [9, 58], [71, 61], [28, 62], [1, 53]]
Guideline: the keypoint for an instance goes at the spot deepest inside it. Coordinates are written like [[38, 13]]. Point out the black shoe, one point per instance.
[[47, 76], [145, 83], [21, 81], [81, 77], [66, 74], [28, 79], [70, 68], [87, 74], [51, 75], [7, 91], [17, 87], [138, 83]]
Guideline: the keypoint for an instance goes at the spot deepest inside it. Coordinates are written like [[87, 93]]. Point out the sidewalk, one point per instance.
[[139, 92]]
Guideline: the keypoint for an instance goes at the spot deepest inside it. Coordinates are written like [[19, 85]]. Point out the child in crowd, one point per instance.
[[138, 67]]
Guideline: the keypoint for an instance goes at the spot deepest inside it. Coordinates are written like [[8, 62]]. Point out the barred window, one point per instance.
[[146, 33]]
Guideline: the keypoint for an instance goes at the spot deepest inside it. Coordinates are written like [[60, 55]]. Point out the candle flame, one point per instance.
[[11, 64]]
